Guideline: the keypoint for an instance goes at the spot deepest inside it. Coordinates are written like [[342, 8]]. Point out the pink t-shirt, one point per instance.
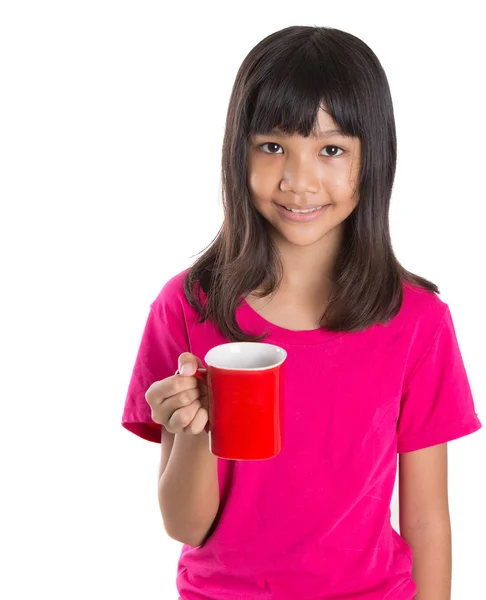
[[313, 523]]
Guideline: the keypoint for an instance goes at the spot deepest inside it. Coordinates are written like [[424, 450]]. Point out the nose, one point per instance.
[[300, 177]]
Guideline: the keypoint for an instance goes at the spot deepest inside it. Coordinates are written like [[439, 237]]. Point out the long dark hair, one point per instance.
[[282, 83]]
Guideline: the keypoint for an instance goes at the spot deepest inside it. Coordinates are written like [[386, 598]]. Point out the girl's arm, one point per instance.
[[424, 519], [188, 488]]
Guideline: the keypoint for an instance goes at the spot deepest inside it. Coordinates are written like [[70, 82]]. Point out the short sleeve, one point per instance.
[[157, 358], [437, 405]]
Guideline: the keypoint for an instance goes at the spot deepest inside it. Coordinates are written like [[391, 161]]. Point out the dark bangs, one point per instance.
[[297, 85]]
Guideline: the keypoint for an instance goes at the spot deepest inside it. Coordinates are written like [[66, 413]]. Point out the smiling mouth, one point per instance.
[[303, 210]]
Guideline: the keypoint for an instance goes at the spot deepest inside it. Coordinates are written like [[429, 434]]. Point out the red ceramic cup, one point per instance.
[[245, 394]]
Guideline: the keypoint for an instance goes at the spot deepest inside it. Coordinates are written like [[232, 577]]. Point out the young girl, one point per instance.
[[304, 260]]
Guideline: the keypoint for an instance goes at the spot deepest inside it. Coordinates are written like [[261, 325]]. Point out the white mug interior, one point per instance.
[[253, 356]]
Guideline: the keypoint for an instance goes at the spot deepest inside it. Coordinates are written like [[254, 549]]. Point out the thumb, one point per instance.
[[188, 363]]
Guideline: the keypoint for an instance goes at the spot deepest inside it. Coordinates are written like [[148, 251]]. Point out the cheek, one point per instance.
[[259, 183], [343, 183], [354, 175]]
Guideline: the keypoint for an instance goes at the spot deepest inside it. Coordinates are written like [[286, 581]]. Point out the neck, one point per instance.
[[308, 270]]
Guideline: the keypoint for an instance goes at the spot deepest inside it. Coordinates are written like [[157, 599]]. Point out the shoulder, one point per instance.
[[175, 314], [417, 327], [172, 288], [171, 302], [421, 309], [418, 322]]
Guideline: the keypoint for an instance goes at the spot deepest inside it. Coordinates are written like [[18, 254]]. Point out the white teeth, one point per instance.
[[308, 210]]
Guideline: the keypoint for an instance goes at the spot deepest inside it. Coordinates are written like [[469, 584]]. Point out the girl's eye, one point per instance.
[[270, 144], [333, 149]]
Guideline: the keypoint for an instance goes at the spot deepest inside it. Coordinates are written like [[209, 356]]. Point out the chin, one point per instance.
[[303, 239]]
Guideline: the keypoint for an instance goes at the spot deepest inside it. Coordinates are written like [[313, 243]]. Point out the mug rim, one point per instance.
[[266, 368]]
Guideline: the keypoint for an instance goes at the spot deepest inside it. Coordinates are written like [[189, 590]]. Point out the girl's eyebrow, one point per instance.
[[316, 136]]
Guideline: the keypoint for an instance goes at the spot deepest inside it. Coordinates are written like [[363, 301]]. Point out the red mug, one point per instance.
[[245, 397]]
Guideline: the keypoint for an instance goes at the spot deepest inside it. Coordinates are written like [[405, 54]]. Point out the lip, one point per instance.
[[300, 217]]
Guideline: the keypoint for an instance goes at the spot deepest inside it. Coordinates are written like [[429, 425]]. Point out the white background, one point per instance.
[[112, 117]]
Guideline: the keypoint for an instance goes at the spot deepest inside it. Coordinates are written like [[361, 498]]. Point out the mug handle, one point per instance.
[[202, 375]]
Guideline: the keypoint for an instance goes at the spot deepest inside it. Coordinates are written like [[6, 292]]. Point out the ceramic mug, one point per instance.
[[245, 398]]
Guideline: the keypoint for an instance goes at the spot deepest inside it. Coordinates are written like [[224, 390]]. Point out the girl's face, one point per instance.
[[303, 173]]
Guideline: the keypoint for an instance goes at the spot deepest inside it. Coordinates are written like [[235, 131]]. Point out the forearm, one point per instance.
[[188, 490], [432, 559]]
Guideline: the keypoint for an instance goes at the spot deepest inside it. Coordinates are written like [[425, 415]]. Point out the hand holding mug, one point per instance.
[[179, 403]]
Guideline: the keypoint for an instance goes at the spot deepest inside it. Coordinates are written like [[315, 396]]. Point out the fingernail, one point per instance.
[[186, 369]]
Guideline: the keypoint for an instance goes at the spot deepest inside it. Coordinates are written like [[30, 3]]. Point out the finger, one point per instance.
[[182, 417], [189, 363], [180, 400], [170, 386], [203, 396], [198, 423]]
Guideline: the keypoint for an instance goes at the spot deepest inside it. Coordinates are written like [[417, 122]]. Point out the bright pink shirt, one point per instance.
[[313, 523]]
